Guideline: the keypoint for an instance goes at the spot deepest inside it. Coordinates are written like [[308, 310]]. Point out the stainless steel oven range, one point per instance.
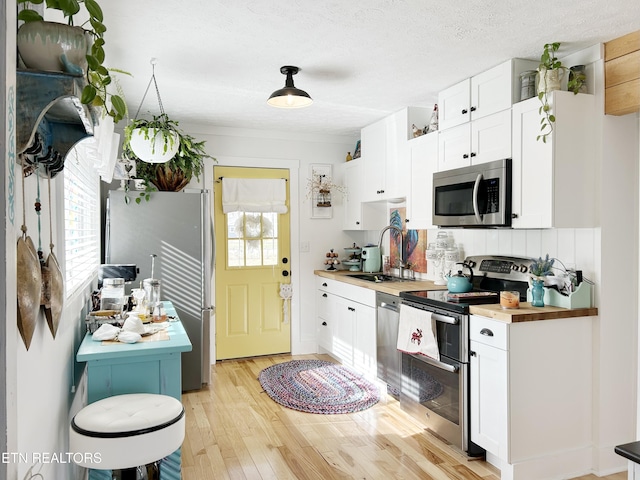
[[437, 392]]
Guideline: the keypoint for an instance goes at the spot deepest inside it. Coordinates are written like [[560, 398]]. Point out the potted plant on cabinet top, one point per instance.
[[161, 136], [551, 72], [53, 46]]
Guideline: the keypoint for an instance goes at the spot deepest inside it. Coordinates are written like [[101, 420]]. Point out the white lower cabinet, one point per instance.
[[346, 319], [531, 395]]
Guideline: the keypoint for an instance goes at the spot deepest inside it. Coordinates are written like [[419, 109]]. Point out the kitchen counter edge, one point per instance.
[[392, 288], [526, 313]]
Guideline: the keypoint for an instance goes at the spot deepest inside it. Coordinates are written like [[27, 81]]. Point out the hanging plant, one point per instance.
[[176, 173], [166, 158], [551, 72]]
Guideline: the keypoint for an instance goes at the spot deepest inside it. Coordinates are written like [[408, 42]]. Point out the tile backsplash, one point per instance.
[[574, 247]]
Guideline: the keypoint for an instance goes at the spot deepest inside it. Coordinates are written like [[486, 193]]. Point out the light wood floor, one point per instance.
[[235, 431]]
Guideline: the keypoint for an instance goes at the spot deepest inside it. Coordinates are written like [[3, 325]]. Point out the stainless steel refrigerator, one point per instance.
[[177, 227]]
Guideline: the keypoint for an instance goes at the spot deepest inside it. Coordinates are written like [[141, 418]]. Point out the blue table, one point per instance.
[[145, 367]]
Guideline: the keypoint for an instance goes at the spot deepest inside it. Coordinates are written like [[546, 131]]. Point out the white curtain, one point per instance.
[[254, 195]]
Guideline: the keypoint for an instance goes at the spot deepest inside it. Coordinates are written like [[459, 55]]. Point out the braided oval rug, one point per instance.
[[318, 386]]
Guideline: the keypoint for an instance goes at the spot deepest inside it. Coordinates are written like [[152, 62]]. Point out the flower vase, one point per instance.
[[537, 293]]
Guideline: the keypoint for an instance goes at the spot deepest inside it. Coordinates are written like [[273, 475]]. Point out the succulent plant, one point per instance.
[[542, 267]]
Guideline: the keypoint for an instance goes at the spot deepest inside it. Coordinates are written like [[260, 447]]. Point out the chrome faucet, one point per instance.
[[401, 262]]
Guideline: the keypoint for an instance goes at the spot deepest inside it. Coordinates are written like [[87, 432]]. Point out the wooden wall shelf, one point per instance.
[[622, 74]]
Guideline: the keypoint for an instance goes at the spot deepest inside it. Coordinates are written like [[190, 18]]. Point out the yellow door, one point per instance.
[[252, 260]]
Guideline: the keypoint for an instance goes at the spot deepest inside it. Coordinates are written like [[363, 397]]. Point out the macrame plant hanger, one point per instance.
[[151, 144]]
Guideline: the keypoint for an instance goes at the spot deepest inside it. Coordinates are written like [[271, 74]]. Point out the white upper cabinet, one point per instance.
[[454, 104], [484, 94], [386, 154], [424, 162], [480, 141], [374, 156], [357, 214], [353, 181], [455, 146], [554, 181]]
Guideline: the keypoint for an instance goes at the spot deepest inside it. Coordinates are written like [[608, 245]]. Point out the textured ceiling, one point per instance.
[[219, 60]]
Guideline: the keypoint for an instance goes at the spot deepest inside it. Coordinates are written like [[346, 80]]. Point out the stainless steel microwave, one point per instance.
[[474, 196]]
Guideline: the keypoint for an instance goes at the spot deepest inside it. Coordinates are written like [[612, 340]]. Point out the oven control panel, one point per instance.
[[512, 268]]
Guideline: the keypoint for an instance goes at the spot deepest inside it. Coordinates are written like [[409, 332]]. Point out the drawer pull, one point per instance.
[[486, 332], [351, 309]]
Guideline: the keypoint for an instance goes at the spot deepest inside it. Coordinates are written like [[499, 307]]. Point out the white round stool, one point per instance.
[[126, 431]]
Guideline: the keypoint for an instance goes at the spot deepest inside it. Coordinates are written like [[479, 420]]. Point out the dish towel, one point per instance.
[[417, 332], [254, 195]]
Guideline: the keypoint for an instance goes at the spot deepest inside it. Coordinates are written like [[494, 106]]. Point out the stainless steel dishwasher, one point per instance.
[[389, 358]]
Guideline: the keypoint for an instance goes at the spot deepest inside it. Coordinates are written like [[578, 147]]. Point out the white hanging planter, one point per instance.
[[152, 146]]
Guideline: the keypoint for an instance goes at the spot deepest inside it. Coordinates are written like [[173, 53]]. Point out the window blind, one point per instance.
[[81, 221]]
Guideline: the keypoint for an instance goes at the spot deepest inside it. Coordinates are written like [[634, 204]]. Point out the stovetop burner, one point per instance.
[[450, 301]]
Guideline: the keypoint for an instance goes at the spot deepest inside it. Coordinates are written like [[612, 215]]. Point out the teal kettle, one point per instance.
[[460, 283]]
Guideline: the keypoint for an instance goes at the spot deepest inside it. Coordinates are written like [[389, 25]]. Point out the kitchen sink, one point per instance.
[[379, 278]]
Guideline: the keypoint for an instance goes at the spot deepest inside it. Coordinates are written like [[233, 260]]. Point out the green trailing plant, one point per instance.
[[577, 79], [548, 61], [542, 267], [98, 76], [175, 174]]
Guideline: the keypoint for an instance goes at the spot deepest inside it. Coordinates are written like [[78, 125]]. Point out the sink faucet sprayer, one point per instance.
[[402, 263]]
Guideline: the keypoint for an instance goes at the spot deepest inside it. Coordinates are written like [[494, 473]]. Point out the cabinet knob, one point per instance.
[[464, 111], [514, 215], [324, 324], [465, 156], [351, 309], [472, 353], [473, 154], [473, 109], [406, 220], [324, 284], [324, 295], [357, 223], [486, 332]]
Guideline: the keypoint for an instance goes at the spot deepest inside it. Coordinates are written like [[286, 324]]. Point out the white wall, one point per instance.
[[297, 152], [7, 302], [44, 390]]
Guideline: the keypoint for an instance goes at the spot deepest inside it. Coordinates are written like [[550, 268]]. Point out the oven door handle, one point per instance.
[[437, 363], [476, 209], [444, 319]]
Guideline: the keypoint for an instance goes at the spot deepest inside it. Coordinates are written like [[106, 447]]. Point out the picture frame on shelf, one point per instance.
[[356, 152]]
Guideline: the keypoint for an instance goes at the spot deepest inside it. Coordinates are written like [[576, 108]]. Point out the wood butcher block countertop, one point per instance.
[[392, 288], [526, 313]]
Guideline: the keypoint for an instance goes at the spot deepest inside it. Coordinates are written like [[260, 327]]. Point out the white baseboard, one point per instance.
[[552, 467]]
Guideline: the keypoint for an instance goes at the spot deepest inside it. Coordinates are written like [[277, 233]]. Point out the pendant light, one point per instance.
[[289, 96]]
